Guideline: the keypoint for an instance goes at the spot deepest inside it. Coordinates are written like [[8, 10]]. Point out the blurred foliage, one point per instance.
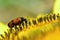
[[10, 9]]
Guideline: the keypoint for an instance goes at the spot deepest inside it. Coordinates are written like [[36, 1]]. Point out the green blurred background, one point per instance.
[[10, 9]]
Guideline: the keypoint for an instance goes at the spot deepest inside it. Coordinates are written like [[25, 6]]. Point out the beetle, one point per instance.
[[17, 21]]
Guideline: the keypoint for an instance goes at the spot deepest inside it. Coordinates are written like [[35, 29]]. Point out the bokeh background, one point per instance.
[[10, 9]]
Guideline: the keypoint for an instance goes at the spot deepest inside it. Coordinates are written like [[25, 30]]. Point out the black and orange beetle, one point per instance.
[[17, 21]]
